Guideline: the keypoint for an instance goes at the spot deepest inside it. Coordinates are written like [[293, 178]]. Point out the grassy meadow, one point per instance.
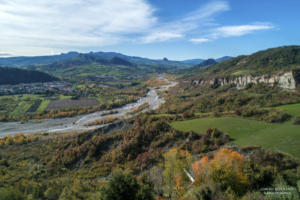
[[292, 109], [283, 137]]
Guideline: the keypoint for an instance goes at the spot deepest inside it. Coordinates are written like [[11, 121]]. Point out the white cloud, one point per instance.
[[200, 40], [231, 31], [160, 37], [58, 24], [193, 21], [52, 26]]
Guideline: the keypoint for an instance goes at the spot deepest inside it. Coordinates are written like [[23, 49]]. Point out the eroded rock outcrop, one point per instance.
[[287, 80]]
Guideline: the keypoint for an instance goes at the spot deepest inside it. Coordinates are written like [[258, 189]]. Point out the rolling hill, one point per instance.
[[267, 61]]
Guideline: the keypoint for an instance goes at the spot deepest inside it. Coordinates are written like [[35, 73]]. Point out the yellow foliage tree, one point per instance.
[[175, 178]]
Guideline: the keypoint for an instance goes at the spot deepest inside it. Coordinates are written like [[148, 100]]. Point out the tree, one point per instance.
[[175, 177], [124, 186], [225, 169]]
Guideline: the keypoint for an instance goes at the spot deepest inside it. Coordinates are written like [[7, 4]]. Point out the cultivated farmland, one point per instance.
[[72, 103]]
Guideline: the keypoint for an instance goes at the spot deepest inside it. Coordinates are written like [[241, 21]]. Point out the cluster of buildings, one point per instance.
[[36, 88], [111, 77], [102, 78]]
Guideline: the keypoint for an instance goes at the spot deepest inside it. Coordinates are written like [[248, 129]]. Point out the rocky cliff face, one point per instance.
[[287, 80]]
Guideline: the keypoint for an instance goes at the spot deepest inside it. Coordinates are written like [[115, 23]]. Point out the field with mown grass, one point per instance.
[[292, 109], [245, 132]]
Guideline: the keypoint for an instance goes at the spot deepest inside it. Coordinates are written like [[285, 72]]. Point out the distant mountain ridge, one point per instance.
[[208, 62], [199, 61], [105, 56], [224, 58], [34, 60], [193, 61], [23, 61]]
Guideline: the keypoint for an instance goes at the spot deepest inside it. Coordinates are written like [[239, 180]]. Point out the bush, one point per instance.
[[124, 186], [296, 121], [253, 196], [10, 194], [277, 116], [204, 192], [250, 111]]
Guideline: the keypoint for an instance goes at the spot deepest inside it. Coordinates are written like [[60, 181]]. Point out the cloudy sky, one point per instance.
[[177, 29]]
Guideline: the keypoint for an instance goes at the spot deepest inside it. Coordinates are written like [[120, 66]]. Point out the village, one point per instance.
[[59, 87]]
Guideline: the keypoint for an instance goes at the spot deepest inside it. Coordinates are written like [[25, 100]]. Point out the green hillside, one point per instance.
[[283, 137], [90, 65], [263, 62]]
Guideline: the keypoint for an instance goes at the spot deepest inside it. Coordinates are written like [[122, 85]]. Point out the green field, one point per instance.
[[292, 109], [284, 137], [15, 106], [43, 106]]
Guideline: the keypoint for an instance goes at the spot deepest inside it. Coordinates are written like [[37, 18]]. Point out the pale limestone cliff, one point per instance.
[[284, 80]]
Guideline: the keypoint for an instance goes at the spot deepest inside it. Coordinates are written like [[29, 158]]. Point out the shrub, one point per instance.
[[204, 192], [10, 194], [277, 116], [296, 121], [124, 186], [253, 196]]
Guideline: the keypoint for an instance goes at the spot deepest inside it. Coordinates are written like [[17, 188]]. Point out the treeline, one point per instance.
[[16, 76], [17, 139], [256, 101], [107, 120]]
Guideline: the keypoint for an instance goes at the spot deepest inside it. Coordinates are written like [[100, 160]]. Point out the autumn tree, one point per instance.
[[226, 168], [176, 164]]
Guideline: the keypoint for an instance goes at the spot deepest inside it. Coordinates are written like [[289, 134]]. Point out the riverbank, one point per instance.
[[77, 123]]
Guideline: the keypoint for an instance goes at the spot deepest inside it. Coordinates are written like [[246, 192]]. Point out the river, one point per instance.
[[77, 123]]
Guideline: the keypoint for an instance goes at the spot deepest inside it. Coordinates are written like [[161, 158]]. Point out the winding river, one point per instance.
[[77, 123]]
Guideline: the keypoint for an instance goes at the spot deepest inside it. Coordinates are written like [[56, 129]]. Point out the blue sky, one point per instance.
[[177, 29]]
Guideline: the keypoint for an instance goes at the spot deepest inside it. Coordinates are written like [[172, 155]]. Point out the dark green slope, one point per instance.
[[35, 60], [263, 62], [16, 76]]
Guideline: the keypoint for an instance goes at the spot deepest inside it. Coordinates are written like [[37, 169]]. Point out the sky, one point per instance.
[[176, 29]]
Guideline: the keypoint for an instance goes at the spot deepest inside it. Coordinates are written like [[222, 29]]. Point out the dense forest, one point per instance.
[[16, 76]]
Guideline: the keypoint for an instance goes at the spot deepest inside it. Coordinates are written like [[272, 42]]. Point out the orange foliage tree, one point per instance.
[[226, 168]]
